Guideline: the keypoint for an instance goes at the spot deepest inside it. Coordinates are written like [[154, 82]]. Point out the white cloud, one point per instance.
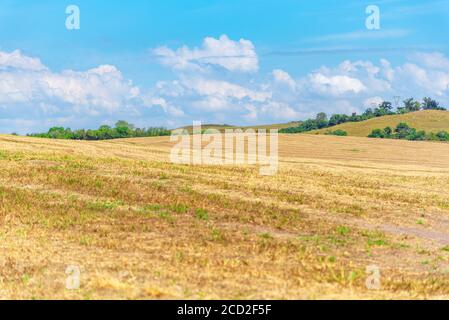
[[335, 85], [433, 60], [31, 92], [169, 109], [102, 87], [283, 77], [387, 70], [215, 97], [27, 81], [349, 67], [251, 114], [16, 60], [224, 52], [280, 110], [434, 82], [219, 88], [373, 102], [214, 103]]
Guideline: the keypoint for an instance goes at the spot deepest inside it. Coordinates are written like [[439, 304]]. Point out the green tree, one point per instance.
[[337, 119], [321, 120], [385, 108], [123, 128], [430, 104], [403, 130], [387, 132], [376, 133], [412, 105]]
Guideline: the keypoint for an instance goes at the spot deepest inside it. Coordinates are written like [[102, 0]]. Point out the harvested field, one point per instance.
[[140, 227]]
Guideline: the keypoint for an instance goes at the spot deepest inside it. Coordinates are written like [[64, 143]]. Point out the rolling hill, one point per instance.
[[428, 120]]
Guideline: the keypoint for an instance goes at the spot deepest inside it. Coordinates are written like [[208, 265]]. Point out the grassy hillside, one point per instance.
[[223, 127], [429, 120], [140, 227]]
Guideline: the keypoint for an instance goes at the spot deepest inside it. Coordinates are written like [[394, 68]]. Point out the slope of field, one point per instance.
[[140, 227], [429, 120]]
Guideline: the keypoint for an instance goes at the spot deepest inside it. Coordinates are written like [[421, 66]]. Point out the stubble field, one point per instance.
[[140, 227]]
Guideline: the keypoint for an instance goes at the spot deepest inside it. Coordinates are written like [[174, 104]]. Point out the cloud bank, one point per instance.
[[220, 81]]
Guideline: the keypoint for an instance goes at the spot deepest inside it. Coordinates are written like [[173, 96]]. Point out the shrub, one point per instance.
[[387, 132], [376, 133], [404, 131], [442, 136], [338, 132]]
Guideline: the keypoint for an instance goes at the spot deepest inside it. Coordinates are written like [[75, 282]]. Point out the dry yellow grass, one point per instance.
[[428, 120], [140, 227]]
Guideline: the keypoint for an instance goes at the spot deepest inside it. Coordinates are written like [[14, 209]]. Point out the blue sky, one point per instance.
[[241, 62]]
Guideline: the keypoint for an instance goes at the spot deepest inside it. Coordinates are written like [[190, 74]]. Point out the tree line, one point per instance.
[[122, 129], [321, 120], [404, 132]]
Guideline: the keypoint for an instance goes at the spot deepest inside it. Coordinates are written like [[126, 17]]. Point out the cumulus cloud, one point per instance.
[[16, 60], [283, 77], [31, 92], [102, 88], [433, 60], [25, 80], [350, 86], [213, 95], [280, 110], [223, 52], [434, 82], [219, 88], [335, 85], [169, 109], [372, 102], [207, 97]]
